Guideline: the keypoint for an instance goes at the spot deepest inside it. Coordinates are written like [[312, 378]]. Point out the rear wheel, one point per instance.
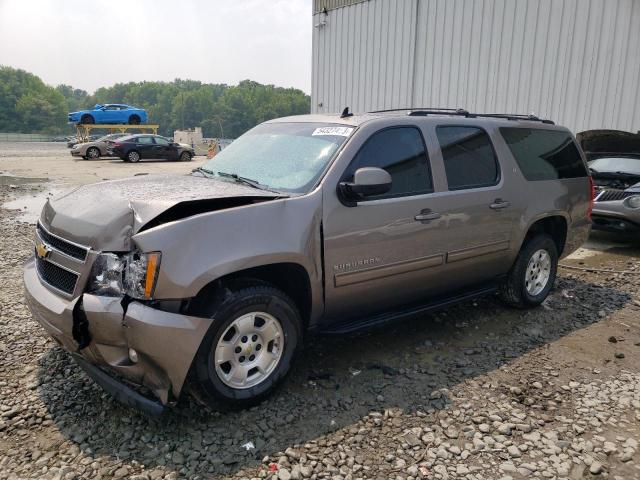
[[185, 157], [533, 274], [134, 120], [249, 347], [93, 153], [133, 156], [87, 120]]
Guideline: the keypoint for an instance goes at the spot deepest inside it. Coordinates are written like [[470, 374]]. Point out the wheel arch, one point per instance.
[[292, 278], [555, 225]]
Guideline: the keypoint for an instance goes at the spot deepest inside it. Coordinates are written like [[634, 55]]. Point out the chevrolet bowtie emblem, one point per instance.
[[42, 250]]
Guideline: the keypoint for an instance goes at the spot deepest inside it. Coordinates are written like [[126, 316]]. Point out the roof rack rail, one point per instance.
[[418, 111]]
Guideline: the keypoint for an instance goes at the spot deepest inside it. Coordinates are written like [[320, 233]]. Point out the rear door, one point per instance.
[[480, 206], [146, 146]]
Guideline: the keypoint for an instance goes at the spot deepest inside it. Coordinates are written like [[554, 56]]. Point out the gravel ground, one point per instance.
[[478, 391]]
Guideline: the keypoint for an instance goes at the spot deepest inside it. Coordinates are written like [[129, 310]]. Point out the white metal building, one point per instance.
[[576, 62]]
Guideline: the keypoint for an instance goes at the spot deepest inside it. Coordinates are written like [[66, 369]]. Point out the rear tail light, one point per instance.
[[117, 144], [592, 196]]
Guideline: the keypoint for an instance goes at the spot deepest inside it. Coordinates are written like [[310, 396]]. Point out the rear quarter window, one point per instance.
[[544, 154]]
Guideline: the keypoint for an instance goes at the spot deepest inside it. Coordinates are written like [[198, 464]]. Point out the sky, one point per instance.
[[93, 43]]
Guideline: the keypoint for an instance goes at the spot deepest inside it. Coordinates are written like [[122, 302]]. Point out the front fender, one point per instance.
[[201, 248]]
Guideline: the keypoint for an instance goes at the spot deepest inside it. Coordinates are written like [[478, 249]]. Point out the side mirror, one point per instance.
[[367, 181]]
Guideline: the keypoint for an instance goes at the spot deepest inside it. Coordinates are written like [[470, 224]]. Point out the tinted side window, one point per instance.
[[544, 154], [402, 153], [145, 140], [161, 141], [469, 158]]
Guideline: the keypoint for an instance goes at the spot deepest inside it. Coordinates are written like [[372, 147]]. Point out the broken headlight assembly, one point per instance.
[[632, 202], [134, 274]]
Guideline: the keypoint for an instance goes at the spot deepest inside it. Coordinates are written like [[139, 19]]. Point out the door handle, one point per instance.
[[426, 216], [498, 203]]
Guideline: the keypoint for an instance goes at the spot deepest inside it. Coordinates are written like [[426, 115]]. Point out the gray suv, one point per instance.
[[314, 223]]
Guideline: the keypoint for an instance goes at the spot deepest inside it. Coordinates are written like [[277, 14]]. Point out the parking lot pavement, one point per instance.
[[478, 391]]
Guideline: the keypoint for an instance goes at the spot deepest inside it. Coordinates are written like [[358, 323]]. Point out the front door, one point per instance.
[[388, 249]]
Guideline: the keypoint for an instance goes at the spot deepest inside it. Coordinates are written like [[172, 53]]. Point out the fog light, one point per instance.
[[133, 355]]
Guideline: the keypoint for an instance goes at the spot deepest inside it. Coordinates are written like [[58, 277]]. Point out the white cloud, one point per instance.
[[89, 44]]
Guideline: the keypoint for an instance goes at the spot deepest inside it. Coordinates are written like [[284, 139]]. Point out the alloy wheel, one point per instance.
[[249, 350], [538, 272]]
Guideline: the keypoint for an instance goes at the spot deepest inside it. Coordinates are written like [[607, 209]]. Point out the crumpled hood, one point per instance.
[[105, 215]]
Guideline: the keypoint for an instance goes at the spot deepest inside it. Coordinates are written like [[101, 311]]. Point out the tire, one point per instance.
[[537, 256], [87, 120], [133, 156], [185, 157], [244, 317], [93, 153], [134, 120]]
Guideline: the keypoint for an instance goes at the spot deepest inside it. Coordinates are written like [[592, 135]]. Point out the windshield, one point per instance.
[[616, 164], [282, 156]]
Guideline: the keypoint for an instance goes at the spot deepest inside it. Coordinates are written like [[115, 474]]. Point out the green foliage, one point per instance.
[[27, 105]]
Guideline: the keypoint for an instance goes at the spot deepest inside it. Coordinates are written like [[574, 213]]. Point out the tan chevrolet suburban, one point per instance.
[[314, 223]]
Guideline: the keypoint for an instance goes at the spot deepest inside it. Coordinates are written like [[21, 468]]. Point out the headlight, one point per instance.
[[134, 274], [106, 275], [632, 201], [141, 274]]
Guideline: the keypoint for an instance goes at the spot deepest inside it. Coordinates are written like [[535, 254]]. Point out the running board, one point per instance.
[[382, 319]]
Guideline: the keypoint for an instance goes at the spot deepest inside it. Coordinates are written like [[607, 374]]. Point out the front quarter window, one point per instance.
[[283, 156]]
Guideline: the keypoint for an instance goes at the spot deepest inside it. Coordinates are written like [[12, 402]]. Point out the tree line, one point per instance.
[[28, 105]]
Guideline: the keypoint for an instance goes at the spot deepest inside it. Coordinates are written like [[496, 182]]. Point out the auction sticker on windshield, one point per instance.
[[340, 131]]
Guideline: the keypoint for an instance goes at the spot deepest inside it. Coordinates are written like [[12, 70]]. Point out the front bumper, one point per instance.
[[76, 153], [615, 217], [165, 343]]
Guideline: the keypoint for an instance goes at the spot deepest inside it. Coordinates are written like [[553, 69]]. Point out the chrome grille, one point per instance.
[[56, 276], [613, 195], [72, 250]]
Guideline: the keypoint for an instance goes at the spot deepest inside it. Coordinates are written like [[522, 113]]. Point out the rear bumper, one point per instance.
[[165, 343]]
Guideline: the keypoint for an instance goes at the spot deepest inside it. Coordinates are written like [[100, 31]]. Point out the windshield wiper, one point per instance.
[[204, 171], [245, 181]]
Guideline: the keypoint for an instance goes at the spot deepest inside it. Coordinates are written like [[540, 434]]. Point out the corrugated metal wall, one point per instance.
[[574, 61]]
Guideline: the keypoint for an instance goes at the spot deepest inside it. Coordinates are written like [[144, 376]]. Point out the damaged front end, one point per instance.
[[110, 327], [99, 307], [93, 290]]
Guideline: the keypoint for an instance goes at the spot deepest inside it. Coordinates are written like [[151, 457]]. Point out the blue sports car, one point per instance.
[[110, 113]]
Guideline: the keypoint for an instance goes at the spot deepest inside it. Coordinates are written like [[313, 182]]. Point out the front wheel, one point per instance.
[[185, 157], [532, 276], [134, 120], [249, 347]]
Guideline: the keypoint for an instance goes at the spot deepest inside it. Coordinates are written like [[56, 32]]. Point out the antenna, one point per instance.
[[346, 113]]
